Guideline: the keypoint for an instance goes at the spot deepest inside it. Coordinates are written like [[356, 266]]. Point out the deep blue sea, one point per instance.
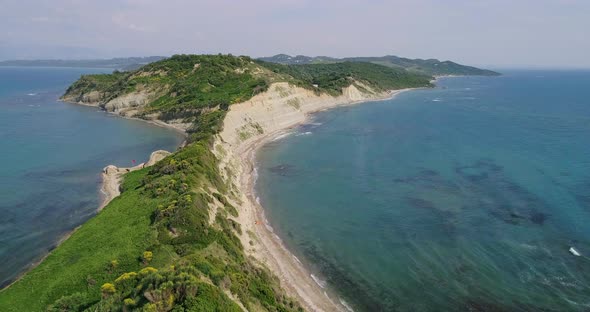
[[51, 155], [465, 197]]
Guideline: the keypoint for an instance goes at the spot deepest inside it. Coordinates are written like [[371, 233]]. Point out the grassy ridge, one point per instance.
[[158, 247], [162, 210], [199, 81]]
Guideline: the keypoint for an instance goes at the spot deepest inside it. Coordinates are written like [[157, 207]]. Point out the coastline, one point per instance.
[[109, 190], [178, 127], [268, 249], [109, 187], [111, 177]]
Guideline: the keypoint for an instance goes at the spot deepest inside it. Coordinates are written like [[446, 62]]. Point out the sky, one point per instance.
[[498, 33]]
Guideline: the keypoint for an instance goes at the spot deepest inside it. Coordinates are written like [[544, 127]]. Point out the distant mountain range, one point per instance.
[[119, 63], [430, 66]]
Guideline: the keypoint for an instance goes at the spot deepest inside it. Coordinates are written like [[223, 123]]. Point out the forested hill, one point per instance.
[[171, 240], [180, 86], [429, 66]]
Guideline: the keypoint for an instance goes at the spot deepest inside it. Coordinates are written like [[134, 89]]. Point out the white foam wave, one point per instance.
[[345, 305], [268, 227], [255, 175], [304, 133], [278, 238], [296, 259], [528, 246], [281, 136], [437, 100], [31, 94], [577, 303], [318, 281]]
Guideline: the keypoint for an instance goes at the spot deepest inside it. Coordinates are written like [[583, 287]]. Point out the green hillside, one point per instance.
[[157, 247], [332, 77]]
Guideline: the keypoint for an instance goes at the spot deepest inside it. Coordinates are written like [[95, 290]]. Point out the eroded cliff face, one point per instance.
[[126, 104], [129, 104], [283, 106], [91, 98]]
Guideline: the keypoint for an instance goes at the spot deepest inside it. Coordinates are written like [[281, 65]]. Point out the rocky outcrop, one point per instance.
[[128, 105], [156, 157], [111, 176], [130, 100], [92, 98]]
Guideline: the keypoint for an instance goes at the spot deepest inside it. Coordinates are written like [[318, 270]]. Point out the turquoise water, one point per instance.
[[51, 155], [465, 197]]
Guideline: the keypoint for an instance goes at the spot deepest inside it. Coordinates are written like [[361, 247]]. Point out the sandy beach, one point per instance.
[[239, 156]]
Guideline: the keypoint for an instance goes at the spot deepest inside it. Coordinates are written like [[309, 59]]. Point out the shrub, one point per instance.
[[112, 266], [107, 289], [128, 302], [147, 257], [147, 270], [74, 302], [125, 277]]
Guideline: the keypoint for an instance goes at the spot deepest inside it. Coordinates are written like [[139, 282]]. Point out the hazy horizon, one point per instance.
[[503, 34]]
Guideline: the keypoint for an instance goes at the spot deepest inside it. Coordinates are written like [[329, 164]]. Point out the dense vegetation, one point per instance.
[[183, 86], [198, 81], [333, 77], [158, 246], [428, 67], [94, 82]]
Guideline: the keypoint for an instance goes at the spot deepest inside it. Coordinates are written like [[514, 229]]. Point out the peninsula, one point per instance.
[[185, 233]]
